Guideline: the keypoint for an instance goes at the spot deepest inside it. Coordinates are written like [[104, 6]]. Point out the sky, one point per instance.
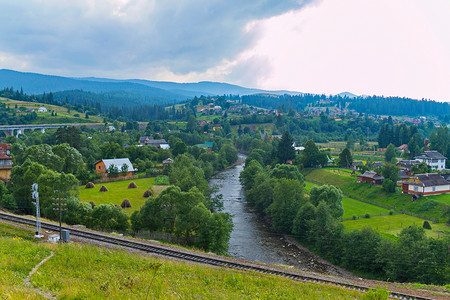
[[366, 47]]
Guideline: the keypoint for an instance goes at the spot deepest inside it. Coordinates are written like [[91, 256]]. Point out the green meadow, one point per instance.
[[88, 272], [118, 191], [394, 224]]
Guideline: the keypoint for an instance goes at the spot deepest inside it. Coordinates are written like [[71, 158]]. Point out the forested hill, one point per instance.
[[133, 91], [377, 105]]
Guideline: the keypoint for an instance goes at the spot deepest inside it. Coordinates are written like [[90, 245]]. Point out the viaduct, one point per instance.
[[19, 129]]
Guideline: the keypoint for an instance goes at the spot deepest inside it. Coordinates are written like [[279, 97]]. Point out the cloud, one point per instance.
[[126, 37]]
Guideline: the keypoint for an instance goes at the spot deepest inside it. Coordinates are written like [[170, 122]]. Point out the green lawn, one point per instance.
[[354, 207], [118, 191], [427, 206], [394, 224], [79, 271], [445, 198]]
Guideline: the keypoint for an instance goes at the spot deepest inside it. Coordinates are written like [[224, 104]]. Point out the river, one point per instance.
[[252, 238]]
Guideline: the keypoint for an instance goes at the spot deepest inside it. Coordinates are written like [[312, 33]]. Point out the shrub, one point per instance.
[[125, 203], [132, 185], [354, 217], [103, 189], [90, 185], [161, 180], [377, 293], [391, 212], [367, 216], [426, 225]]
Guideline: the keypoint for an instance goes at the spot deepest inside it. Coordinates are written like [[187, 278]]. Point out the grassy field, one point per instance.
[[353, 207], [426, 206], [83, 271], [63, 116], [394, 224], [440, 198], [118, 191]]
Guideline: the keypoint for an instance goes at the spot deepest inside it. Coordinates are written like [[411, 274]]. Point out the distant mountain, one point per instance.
[[348, 95], [33, 83]]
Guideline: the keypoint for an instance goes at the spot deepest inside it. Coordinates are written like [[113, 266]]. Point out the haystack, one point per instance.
[[132, 185], [90, 185], [103, 189], [147, 193], [125, 203], [92, 204]]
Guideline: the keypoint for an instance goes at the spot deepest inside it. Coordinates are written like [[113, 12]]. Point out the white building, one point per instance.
[[426, 184], [433, 159], [42, 109]]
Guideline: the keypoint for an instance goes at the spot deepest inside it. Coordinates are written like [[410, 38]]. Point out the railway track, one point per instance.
[[219, 262]]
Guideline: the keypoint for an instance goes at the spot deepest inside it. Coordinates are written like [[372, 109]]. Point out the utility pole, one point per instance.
[[35, 196], [59, 207]]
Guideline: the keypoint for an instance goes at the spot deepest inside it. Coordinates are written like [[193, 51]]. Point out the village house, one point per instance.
[[370, 177], [206, 146], [426, 184], [433, 159], [104, 165], [42, 109], [167, 161], [150, 141], [407, 164], [5, 162]]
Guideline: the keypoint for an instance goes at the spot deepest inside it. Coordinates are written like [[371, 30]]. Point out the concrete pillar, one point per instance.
[[19, 131], [43, 130], [8, 132]]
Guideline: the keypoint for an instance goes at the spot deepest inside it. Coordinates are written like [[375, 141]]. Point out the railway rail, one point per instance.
[[219, 262]]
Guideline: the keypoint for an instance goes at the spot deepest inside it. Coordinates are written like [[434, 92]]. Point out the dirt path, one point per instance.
[[27, 280]]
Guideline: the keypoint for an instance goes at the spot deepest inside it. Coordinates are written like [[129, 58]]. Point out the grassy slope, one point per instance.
[[389, 224], [118, 191], [46, 118], [83, 271], [395, 224], [353, 207], [425, 206]]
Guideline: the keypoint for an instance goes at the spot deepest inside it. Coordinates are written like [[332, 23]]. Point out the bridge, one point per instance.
[[9, 129]]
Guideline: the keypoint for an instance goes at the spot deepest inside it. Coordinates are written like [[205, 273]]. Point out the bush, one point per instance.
[[389, 185], [391, 212], [377, 293], [426, 225], [367, 216], [354, 217], [161, 180]]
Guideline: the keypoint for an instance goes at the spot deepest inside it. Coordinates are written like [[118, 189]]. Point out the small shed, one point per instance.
[[53, 238], [370, 177]]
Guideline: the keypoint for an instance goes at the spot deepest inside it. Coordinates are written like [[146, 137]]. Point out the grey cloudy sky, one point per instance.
[[385, 47]]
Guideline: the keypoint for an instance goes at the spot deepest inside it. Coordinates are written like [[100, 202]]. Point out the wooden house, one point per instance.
[[370, 177], [104, 165]]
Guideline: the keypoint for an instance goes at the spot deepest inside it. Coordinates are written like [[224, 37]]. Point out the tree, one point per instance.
[[179, 148], [113, 171], [345, 159], [350, 142], [285, 148], [247, 176], [191, 124], [288, 197], [109, 217], [302, 222], [185, 175], [72, 160], [390, 153], [388, 185], [311, 156], [124, 169], [287, 171], [330, 195]]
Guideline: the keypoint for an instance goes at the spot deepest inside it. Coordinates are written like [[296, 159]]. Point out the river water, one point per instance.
[[252, 238]]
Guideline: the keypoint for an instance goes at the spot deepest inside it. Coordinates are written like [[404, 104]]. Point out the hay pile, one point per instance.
[[125, 203], [92, 204], [147, 193], [90, 185], [132, 185], [103, 189]]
